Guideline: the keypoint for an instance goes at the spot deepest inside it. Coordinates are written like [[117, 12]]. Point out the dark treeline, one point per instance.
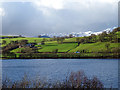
[[61, 55], [3, 37]]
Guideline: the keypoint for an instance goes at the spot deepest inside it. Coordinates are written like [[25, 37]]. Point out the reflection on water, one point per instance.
[[105, 69]]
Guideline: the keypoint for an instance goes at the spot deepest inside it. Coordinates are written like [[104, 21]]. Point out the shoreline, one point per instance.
[[68, 58]]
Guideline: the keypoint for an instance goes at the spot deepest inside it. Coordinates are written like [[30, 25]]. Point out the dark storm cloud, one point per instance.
[[32, 19]]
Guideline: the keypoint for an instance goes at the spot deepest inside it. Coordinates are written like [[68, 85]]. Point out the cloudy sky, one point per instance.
[[58, 16]]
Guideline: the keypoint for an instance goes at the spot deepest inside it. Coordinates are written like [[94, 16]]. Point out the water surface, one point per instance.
[[105, 69]]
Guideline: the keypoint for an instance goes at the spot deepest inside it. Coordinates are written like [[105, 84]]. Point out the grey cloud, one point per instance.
[[74, 17]]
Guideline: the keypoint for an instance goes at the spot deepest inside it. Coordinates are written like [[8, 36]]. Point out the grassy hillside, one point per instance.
[[89, 46], [72, 47], [37, 40], [70, 40], [95, 47], [49, 47], [67, 46], [118, 34]]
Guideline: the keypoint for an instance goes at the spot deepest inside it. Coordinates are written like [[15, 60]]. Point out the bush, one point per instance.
[[74, 80], [55, 51], [116, 50]]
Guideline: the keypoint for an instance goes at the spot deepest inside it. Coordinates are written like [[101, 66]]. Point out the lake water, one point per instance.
[[106, 70]]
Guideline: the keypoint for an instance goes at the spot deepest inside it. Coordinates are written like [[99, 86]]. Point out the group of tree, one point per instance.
[[103, 37], [3, 37], [3, 42], [29, 50], [110, 36], [86, 39], [13, 45], [6, 50], [60, 39]]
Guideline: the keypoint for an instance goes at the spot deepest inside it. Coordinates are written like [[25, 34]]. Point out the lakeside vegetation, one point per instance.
[[76, 80], [104, 45]]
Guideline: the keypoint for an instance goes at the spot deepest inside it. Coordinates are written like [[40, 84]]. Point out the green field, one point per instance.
[[37, 40], [70, 40], [49, 47], [17, 50], [95, 47], [72, 47]]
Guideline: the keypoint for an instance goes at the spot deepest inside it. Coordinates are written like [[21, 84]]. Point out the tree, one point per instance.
[[44, 39], [42, 42], [101, 38], [35, 41], [55, 51], [94, 38], [9, 47], [16, 42], [78, 40], [35, 49], [60, 39], [11, 42], [104, 34], [27, 50], [23, 42], [50, 39], [3, 42], [39, 36], [110, 37], [82, 40], [66, 37], [107, 46], [115, 38], [70, 36], [20, 36], [54, 38], [86, 39]]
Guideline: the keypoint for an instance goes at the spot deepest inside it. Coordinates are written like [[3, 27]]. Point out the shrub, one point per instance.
[[74, 80], [55, 51]]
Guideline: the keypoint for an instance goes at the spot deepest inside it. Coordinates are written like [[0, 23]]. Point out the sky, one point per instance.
[[58, 16]]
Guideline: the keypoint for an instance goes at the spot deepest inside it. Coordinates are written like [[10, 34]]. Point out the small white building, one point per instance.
[[39, 43]]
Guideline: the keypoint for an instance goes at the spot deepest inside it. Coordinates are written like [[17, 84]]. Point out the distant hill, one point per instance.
[[44, 36], [3, 37]]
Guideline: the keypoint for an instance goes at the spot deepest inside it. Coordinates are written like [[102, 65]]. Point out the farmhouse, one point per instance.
[[77, 52], [31, 45]]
